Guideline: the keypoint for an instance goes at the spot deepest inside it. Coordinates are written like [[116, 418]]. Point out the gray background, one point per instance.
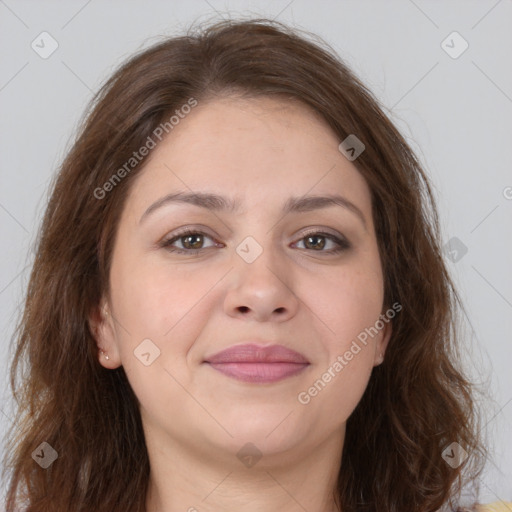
[[455, 112]]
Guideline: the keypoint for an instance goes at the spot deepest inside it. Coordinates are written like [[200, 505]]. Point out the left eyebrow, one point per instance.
[[310, 203], [219, 203]]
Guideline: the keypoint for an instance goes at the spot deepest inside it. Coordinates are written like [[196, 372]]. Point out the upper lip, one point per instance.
[[254, 353]]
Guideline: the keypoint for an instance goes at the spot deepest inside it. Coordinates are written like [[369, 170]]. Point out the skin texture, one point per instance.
[[195, 419]]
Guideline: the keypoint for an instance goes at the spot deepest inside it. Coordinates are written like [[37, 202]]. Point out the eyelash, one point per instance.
[[343, 245]]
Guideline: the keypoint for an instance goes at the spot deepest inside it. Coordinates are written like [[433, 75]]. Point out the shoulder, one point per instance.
[[497, 506]]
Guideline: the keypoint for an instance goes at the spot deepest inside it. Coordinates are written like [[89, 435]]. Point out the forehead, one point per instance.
[[258, 150]]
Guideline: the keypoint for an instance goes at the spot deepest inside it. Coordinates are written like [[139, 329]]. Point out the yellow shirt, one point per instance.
[[497, 506]]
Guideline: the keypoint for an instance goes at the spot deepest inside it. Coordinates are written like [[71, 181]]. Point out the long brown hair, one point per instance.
[[417, 402]]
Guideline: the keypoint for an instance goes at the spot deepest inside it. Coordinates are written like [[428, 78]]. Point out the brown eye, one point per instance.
[[316, 241], [191, 242]]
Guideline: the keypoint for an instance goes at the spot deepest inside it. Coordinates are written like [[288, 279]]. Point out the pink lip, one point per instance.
[[256, 363]]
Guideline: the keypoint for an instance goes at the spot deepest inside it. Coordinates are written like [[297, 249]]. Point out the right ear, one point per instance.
[[103, 330]]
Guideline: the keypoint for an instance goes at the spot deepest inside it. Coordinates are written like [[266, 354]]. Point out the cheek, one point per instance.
[[163, 306], [152, 298], [347, 388], [349, 301], [167, 305], [349, 306]]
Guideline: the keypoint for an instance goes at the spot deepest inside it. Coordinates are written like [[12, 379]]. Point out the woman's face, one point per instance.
[[265, 273]]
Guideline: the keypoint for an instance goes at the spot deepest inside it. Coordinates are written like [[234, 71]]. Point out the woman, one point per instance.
[[239, 298]]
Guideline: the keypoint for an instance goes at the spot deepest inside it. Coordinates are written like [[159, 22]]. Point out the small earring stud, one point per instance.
[[105, 354]]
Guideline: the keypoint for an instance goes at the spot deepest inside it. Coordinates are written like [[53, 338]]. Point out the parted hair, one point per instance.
[[418, 402]]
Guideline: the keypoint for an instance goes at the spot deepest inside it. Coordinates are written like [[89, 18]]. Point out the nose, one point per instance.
[[261, 290]]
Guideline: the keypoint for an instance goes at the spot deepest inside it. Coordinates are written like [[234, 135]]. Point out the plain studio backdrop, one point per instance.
[[439, 68]]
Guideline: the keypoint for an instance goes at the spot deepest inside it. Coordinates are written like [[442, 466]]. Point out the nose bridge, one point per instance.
[[260, 283], [260, 255], [259, 235]]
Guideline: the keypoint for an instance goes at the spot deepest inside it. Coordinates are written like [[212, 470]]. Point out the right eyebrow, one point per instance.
[[209, 201]]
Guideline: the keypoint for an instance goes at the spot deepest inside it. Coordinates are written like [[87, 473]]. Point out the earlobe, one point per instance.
[[103, 333], [382, 344], [105, 355]]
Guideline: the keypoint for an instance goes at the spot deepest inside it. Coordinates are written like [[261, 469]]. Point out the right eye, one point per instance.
[[188, 237]]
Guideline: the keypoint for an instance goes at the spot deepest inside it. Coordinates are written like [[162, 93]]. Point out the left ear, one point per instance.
[[382, 343]]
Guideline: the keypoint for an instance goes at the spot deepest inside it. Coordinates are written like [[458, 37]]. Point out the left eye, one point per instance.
[[312, 240], [191, 240]]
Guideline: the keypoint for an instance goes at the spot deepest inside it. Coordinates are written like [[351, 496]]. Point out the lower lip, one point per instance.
[[259, 372]]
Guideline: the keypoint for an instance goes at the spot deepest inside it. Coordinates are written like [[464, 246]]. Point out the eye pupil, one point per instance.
[[321, 246], [194, 245]]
